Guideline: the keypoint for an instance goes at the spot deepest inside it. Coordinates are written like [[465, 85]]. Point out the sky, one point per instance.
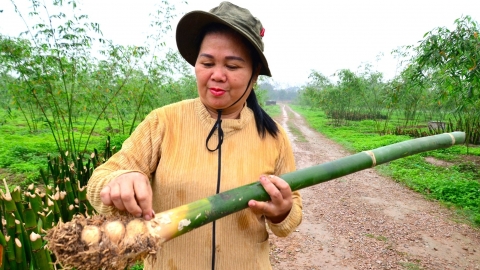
[[300, 35]]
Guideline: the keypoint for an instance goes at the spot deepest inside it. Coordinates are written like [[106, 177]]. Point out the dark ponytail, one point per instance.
[[263, 121]]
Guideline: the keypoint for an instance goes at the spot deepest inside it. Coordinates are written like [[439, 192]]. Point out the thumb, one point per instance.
[[257, 207]]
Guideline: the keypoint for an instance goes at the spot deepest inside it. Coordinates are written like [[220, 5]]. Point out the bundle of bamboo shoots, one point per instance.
[[115, 242]]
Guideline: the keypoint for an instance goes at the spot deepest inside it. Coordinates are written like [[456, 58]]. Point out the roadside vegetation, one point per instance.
[[438, 91], [454, 183]]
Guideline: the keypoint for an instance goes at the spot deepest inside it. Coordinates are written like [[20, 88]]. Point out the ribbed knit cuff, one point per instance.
[[289, 224]]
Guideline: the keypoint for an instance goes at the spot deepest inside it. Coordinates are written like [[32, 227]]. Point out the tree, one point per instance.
[[449, 60]]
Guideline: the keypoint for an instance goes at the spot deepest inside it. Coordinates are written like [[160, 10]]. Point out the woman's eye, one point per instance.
[[208, 64], [231, 67]]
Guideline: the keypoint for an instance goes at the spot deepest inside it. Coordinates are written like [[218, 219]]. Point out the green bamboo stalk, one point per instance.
[[17, 198], [11, 252], [56, 208], [48, 192], [79, 168], [35, 202], [31, 189], [20, 254], [3, 247], [71, 211], [204, 211], [30, 220], [10, 224], [3, 242], [22, 243], [62, 202], [41, 195], [44, 177], [83, 203], [9, 205], [49, 215], [71, 194], [40, 255]]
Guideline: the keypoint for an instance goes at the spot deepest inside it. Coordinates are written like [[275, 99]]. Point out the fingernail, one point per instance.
[[147, 217], [153, 214], [270, 176], [138, 215]]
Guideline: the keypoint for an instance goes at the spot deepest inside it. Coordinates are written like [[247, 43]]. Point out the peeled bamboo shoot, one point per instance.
[[115, 242]]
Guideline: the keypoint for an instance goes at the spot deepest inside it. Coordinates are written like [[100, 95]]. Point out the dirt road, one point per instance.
[[367, 221]]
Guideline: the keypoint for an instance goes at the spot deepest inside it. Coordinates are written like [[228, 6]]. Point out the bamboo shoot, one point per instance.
[[101, 242]]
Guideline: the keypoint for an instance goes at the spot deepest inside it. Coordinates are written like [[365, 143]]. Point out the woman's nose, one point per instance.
[[218, 74]]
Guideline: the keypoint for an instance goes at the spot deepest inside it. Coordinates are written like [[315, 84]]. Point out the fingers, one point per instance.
[[143, 194], [129, 192], [277, 188], [281, 199], [105, 196], [258, 207]]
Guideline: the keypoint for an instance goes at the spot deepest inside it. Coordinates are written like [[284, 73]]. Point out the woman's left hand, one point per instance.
[[278, 208]]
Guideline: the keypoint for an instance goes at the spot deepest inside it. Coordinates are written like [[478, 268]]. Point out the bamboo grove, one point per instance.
[[28, 214], [64, 75], [437, 91]]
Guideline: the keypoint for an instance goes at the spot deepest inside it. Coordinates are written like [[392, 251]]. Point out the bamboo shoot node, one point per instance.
[[372, 156], [453, 138]]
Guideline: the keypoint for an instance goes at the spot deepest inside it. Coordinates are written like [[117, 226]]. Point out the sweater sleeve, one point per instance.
[[285, 164], [139, 153]]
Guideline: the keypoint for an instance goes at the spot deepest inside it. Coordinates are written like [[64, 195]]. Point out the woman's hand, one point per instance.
[[278, 208], [130, 192]]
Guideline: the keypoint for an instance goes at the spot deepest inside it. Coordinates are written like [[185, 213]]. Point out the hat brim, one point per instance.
[[191, 26]]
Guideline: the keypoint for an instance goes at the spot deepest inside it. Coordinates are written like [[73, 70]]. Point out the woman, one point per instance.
[[195, 148]]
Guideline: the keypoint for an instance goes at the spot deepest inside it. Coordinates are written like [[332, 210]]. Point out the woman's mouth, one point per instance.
[[217, 91]]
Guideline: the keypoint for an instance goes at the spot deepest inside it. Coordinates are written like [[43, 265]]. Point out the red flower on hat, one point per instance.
[[262, 32]]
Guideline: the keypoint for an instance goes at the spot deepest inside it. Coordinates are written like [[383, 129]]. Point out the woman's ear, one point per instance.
[[256, 73], [257, 70]]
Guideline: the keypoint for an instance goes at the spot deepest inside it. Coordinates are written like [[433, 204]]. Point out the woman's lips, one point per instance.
[[217, 91]]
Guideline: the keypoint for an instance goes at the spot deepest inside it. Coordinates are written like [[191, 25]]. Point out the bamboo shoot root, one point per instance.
[[101, 242]]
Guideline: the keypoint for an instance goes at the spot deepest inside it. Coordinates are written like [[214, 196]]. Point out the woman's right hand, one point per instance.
[[130, 192]]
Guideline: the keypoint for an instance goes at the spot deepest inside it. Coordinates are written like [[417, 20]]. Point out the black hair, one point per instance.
[[265, 124]]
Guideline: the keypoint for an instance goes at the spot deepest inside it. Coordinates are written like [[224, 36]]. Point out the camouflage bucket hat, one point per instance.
[[239, 19]]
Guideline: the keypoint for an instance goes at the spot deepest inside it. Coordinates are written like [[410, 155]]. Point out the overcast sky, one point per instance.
[[300, 35]]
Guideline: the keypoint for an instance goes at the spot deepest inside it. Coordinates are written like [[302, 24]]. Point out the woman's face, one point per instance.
[[223, 71]]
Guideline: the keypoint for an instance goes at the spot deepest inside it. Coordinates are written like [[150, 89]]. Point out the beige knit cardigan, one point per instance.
[[169, 147]]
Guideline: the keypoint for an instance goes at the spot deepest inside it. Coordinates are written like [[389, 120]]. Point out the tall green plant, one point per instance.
[[450, 59]]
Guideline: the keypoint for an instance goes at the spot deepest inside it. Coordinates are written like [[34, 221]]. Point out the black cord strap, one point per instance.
[[216, 126]]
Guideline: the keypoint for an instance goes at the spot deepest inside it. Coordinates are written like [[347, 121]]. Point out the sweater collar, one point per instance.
[[228, 125]]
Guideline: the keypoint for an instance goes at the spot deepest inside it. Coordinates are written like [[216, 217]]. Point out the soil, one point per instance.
[[367, 221]]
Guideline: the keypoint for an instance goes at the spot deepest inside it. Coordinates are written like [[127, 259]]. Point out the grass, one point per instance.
[[455, 186], [296, 132], [272, 110], [377, 237], [294, 129], [23, 153], [410, 266]]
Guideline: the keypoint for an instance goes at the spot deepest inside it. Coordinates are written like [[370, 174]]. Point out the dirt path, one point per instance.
[[367, 221]]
